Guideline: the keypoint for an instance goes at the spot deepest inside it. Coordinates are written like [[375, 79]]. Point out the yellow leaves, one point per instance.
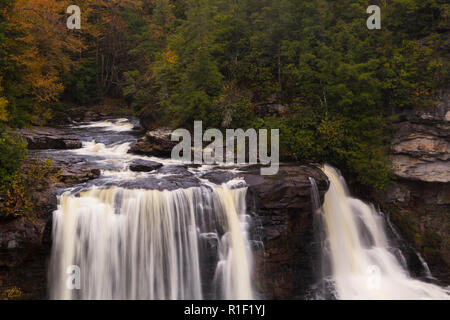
[[47, 89], [38, 174], [171, 56], [45, 43], [13, 293]]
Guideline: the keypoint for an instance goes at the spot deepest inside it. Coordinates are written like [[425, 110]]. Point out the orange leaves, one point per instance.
[[46, 45]]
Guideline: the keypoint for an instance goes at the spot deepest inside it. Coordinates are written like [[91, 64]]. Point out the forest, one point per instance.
[[336, 86]]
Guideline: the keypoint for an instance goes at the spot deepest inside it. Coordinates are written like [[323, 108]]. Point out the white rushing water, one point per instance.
[[363, 265], [146, 244], [118, 125]]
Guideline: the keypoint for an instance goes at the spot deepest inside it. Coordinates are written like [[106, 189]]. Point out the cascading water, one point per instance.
[[362, 262], [147, 244], [138, 243]]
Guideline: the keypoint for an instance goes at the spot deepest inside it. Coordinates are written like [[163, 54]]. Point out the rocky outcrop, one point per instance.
[[39, 138], [421, 145], [156, 143]]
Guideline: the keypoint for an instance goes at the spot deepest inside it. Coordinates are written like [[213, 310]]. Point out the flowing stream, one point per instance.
[[142, 242], [362, 261]]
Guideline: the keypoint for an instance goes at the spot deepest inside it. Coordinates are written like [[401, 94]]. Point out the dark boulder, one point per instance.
[[144, 166]]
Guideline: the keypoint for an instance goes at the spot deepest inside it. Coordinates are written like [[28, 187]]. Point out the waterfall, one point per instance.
[[148, 244], [361, 257]]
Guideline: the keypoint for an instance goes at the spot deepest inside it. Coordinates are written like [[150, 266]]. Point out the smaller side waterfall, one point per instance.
[[147, 244], [363, 263]]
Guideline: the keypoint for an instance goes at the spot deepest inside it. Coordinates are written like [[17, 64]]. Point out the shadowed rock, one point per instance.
[[49, 138], [144, 166]]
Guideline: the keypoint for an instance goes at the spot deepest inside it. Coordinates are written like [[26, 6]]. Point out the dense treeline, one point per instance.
[[177, 61]]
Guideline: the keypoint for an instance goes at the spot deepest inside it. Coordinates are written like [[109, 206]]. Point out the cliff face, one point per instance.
[[283, 221], [420, 148], [419, 200], [285, 265]]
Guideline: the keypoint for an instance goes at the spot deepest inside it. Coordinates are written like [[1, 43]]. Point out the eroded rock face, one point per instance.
[[282, 212], [285, 268], [49, 138]]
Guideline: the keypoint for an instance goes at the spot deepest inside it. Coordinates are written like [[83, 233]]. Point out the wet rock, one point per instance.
[[174, 177], [144, 166], [39, 138], [156, 143]]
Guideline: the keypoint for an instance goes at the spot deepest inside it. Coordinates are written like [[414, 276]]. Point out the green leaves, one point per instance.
[[214, 60]]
